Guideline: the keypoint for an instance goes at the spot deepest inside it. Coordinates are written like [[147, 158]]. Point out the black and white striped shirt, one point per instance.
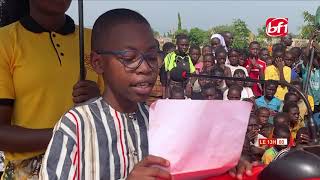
[[94, 141]]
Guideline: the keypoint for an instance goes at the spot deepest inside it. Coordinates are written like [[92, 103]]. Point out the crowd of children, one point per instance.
[[278, 111]]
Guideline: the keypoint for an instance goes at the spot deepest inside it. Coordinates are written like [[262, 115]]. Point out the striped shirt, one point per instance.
[[93, 141]]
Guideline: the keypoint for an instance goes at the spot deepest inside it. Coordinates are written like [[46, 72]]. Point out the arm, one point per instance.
[[19, 139], [54, 157]]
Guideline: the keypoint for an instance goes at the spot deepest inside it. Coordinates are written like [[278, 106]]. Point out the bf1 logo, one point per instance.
[[276, 27]]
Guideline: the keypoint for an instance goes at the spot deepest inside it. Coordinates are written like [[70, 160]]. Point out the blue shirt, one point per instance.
[[274, 104]]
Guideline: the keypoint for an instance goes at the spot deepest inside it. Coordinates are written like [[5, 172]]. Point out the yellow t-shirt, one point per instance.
[[272, 73], [38, 70]]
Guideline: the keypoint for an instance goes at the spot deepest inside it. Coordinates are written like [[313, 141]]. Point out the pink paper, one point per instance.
[[200, 138]]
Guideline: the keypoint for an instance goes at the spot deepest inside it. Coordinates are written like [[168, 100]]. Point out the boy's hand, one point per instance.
[[279, 63], [243, 166], [85, 90], [252, 134], [143, 171]]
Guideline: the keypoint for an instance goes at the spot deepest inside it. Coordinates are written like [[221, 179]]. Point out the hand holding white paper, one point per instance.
[[199, 138]]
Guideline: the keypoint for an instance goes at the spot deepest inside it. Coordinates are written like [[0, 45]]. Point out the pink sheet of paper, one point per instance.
[[200, 138]]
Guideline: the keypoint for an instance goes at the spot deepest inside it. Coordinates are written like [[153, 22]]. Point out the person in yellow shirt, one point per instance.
[[280, 131], [302, 106], [278, 71], [296, 122], [39, 81]]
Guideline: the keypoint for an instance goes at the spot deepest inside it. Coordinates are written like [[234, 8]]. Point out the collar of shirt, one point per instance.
[[31, 25]]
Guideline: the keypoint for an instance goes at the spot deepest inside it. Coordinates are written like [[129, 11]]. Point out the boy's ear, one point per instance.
[[97, 63]]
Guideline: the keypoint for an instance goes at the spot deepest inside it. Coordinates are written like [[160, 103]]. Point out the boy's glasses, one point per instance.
[[132, 59]]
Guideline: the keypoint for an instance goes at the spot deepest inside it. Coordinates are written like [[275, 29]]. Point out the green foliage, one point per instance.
[[241, 34], [220, 29], [262, 37], [309, 25], [198, 36]]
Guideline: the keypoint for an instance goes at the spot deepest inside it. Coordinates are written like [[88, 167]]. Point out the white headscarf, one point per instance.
[[222, 42]]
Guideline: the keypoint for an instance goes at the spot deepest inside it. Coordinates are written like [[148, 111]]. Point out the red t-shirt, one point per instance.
[[254, 74]]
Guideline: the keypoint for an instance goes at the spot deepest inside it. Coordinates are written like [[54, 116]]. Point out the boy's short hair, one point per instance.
[[235, 87], [297, 82], [220, 50], [216, 69], [288, 94], [281, 129], [193, 46], [233, 50], [181, 36], [109, 19], [296, 51], [288, 106], [237, 71], [207, 86], [278, 47], [271, 82], [279, 116], [254, 42], [261, 109], [167, 46], [176, 90]]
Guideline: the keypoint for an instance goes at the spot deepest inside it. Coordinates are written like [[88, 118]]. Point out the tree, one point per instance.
[[179, 22], [241, 34], [220, 29], [309, 27], [262, 37], [198, 36]]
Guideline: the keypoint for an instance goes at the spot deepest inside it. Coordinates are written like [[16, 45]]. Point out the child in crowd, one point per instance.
[[280, 131], [264, 54], [90, 140], [233, 56], [295, 121], [221, 85], [194, 53], [263, 115], [180, 58], [168, 47], [281, 118], [221, 55], [208, 62], [296, 52], [278, 71], [269, 61], [269, 100], [206, 50], [255, 67], [209, 91], [289, 61], [234, 92], [302, 106], [246, 91], [198, 84], [253, 137], [290, 97], [177, 92], [314, 87], [242, 58]]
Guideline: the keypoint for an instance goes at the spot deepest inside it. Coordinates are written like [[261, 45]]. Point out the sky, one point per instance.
[[162, 15]]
